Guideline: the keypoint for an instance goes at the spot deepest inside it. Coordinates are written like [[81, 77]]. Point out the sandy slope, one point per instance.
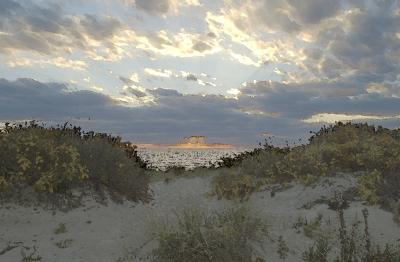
[[106, 233]]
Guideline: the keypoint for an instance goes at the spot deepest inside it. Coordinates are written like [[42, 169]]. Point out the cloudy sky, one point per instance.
[[154, 71]]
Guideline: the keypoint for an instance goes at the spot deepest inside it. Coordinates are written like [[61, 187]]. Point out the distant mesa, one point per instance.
[[198, 142], [189, 142], [195, 140]]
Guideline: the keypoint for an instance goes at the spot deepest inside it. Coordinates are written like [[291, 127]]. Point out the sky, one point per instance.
[[236, 71]]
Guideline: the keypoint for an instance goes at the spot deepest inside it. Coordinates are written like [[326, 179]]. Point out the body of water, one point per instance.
[[163, 158]]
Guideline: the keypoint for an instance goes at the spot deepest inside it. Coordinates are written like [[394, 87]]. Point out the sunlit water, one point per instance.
[[163, 158]]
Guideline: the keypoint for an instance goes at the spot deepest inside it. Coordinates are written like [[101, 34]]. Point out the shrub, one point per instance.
[[61, 164], [31, 255], [221, 236], [61, 229], [353, 246], [64, 243], [373, 151], [368, 186], [313, 228], [318, 252], [231, 184], [283, 249]]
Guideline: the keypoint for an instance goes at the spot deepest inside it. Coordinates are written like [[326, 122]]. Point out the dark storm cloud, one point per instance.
[[8, 7], [366, 44], [295, 15], [313, 11], [290, 16], [301, 101], [25, 93], [173, 116], [369, 36]]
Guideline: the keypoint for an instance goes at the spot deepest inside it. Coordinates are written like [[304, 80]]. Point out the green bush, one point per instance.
[[62, 164], [369, 185], [361, 148], [222, 236], [231, 185]]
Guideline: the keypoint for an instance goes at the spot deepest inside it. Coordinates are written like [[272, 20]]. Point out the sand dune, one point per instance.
[[108, 233]]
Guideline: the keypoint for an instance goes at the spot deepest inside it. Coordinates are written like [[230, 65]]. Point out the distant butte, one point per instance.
[[189, 142]]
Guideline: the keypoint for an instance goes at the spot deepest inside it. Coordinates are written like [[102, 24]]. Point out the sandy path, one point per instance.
[[107, 233]]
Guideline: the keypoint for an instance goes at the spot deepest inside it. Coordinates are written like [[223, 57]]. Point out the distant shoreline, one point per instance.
[[190, 142], [186, 146]]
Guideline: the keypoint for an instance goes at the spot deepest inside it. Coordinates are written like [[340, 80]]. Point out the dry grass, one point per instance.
[[222, 236]]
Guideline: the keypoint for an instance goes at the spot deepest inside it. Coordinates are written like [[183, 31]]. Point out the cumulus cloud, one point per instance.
[[60, 62], [318, 39], [332, 118], [237, 24], [97, 88], [233, 91], [201, 79], [181, 44], [48, 30], [158, 72]]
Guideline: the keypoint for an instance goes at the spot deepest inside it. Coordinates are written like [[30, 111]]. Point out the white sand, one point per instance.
[[115, 230]]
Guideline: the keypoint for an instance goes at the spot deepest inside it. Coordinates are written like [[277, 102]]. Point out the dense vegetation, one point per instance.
[[373, 153], [62, 164]]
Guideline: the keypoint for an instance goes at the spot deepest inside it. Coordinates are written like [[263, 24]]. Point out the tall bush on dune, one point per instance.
[[373, 152], [62, 164]]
